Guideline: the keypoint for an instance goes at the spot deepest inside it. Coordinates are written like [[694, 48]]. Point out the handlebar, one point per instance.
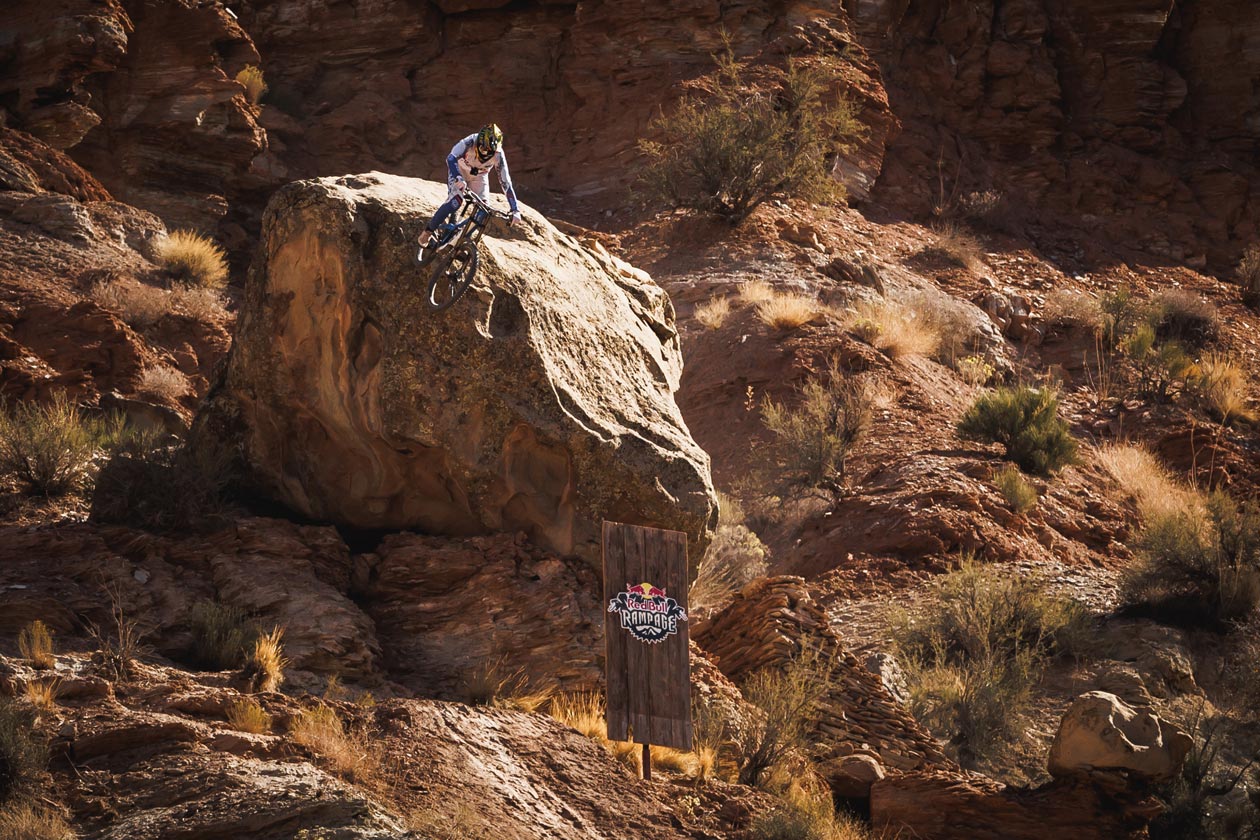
[[476, 199]]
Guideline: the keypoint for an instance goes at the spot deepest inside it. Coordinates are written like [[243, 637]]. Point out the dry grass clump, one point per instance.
[[193, 259], [491, 683], [200, 303], [322, 731], [735, 558], [1140, 474], [895, 328], [248, 715], [584, 711], [42, 694], [756, 291], [35, 645], [164, 381], [251, 78], [49, 447], [1019, 494], [976, 650], [26, 821], [713, 313], [265, 664], [1249, 276], [137, 304], [1071, 308], [1223, 386], [954, 245], [788, 310], [806, 812], [221, 635], [813, 436]]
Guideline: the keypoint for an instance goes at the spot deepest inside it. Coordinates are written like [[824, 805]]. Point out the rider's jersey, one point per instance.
[[463, 161]]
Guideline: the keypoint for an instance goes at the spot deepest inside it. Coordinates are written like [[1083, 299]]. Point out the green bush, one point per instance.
[[221, 635], [1026, 423], [812, 440], [976, 649], [1019, 494], [49, 447], [730, 150], [786, 698], [1200, 567], [1185, 317], [1158, 365]]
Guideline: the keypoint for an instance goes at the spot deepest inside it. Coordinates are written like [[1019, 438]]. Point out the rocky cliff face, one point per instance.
[[141, 94], [542, 402]]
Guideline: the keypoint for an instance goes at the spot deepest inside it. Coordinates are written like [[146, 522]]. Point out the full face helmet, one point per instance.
[[489, 139]]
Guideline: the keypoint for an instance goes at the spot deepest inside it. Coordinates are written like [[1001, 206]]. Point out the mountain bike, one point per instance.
[[452, 256]]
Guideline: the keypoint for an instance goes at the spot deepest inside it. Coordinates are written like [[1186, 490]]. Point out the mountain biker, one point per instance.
[[468, 167]]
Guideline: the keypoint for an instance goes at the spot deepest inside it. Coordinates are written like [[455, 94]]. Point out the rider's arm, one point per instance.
[[505, 178], [457, 152]]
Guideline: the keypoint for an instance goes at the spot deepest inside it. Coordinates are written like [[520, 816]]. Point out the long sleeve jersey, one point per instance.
[[464, 162]]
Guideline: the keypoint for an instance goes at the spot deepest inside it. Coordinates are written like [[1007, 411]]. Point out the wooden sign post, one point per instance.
[[645, 637]]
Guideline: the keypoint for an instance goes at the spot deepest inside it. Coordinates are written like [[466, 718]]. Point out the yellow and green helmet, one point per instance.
[[489, 139]]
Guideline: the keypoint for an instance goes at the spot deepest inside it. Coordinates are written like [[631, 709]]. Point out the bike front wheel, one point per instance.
[[452, 274]]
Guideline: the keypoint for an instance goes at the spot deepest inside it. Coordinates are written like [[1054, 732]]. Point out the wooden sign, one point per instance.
[[645, 635]]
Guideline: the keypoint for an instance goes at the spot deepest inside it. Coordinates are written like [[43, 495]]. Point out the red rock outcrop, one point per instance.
[[543, 402], [143, 95]]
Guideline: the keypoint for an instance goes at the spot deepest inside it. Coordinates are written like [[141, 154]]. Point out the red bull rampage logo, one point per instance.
[[647, 612]]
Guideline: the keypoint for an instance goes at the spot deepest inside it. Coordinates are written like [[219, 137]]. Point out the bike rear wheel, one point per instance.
[[453, 272]]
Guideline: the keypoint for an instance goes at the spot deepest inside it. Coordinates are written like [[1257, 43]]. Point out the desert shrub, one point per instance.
[[120, 645], [798, 821], [164, 381], [981, 206], [193, 259], [247, 715], [251, 78], [322, 731], [1196, 800], [1158, 366], [978, 647], [1019, 494], [221, 634], [952, 244], [788, 311], [265, 664], [1025, 421], [199, 303], [1121, 314], [1223, 388], [138, 304], [732, 149], [162, 488], [49, 447], [1199, 565], [812, 439], [785, 698], [712, 313], [27, 821], [1249, 276], [1181, 315], [42, 694], [735, 558], [1241, 671], [1070, 308], [974, 370], [35, 645], [23, 755], [895, 328], [940, 316]]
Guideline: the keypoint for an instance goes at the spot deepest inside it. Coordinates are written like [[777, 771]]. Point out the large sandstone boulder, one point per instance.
[[1100, 732], [542, 402]]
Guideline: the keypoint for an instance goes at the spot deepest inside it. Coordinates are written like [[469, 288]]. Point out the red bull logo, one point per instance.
[[647, 612]]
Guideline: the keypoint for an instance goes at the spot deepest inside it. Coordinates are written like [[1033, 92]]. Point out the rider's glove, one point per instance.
[[516, 217], [460, 184]]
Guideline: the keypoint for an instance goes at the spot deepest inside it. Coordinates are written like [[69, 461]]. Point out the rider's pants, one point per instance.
[[444, 212]]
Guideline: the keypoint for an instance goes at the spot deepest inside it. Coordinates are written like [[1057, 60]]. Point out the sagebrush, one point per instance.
[[49, 447]]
